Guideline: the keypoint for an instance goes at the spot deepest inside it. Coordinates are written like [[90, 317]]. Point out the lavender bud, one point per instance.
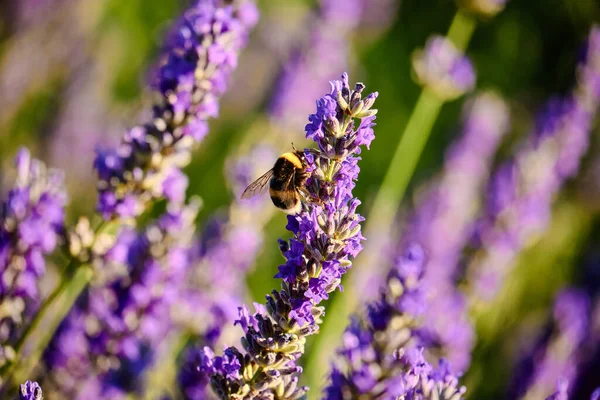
[[554, 361], [30, 391], [443, 68], [32, 226]]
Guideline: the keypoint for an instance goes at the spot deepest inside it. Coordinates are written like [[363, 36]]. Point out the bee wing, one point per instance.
[[258, 186]]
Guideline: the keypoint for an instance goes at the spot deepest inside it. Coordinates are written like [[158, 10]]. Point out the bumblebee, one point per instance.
[[285, 181]]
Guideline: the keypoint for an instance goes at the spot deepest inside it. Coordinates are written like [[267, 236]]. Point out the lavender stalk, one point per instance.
[[311, 66], [326, 237], [113, 332], [456, 73], [215, 287], [308, 68], [32, 227], [522, 190], [419, 310], [556, 357], [199, 57], [382, 356]]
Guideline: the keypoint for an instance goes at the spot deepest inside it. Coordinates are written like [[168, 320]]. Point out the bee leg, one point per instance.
[[309, 198]]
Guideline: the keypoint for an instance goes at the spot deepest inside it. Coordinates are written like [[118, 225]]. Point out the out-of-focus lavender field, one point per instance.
[[448, 242]]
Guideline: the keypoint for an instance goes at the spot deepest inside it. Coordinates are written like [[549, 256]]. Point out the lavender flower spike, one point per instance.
[[30, 391], [117, 325], [199, 58], [522, 190], [327, 235], [381, 356], [310, 66], [556, 358], [32, 222], [442, 68]]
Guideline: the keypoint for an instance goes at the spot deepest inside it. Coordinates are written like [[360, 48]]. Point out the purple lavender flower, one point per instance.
[[200, 55], [113, 332], [86, 120], [326, 238], [442, 68], [32, 226], [30, 391], [443, 223], [380, 355], [555, 359], [522, 190], [419, 306], [561, 392], [483, 8], [311, 66], [443, 220], [214, 286]]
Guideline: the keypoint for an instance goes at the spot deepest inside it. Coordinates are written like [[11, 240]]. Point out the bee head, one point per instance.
[[299, 154]]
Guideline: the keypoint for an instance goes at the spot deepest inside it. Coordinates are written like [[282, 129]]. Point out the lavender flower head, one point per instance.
[[588, 93], [444, 218], [114, 330], [311, 66], [326, 238], [381, 356], [443, 68], [215, 286], [30, 391], [522, 190], [443, 224], [483, 8], [200, 56], [555, 359], [561, 392], [32, 225]]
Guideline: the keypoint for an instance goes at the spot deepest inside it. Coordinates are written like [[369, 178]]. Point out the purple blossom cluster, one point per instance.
[[113, 332], [326, 238], [555, 359], [199, 58], [32, 227], [310, 66], [30, 391], [443, 223], [379, 353], [227, 249], [420, 307], [443, 69], [443, 219], [521, 192]]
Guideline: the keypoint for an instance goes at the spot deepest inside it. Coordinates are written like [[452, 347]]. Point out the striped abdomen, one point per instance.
[[288, 176]]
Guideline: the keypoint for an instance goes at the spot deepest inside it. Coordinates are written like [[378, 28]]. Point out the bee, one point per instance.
[[285, 181]]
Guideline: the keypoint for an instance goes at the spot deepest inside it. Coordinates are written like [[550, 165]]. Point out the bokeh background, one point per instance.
[[73, 76]]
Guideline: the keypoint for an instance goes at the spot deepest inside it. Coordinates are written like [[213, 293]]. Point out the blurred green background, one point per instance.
[[74, 75]]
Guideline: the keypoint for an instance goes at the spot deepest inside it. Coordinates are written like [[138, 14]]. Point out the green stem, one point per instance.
[[44, 307], [52, 312], [461, 30], [382, 213], [62, 304]]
